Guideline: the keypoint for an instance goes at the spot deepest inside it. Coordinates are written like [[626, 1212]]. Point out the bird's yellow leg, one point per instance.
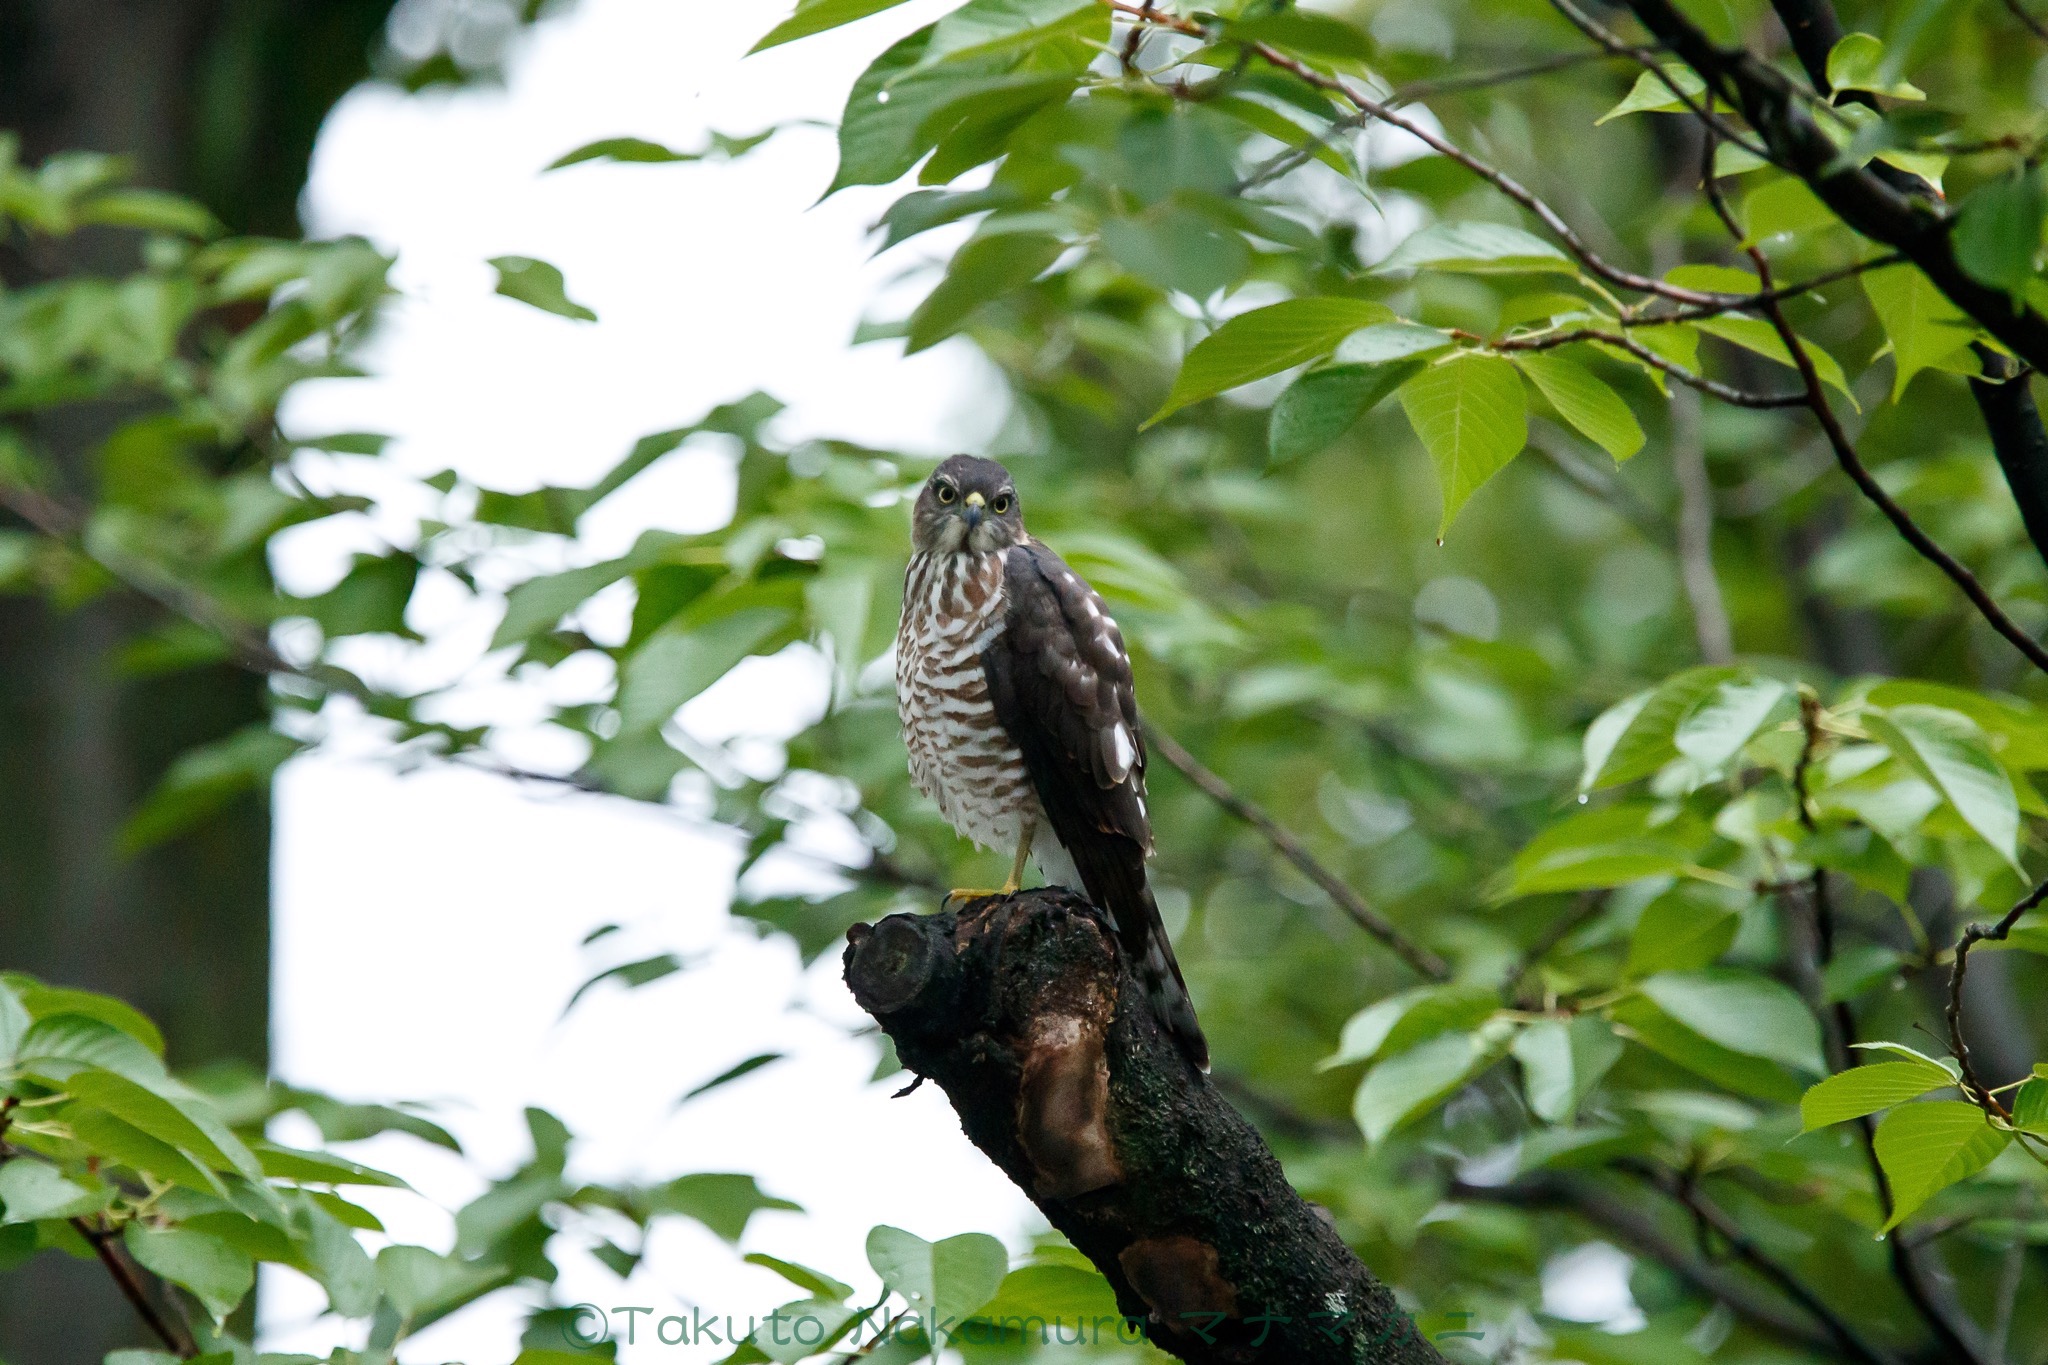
[[961, 895]]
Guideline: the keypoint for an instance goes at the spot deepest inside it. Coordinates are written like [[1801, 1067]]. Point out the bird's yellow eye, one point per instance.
[[1001, 505], [946, 493]]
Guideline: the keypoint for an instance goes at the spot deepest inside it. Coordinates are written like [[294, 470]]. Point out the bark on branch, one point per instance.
[[1024, 1013]]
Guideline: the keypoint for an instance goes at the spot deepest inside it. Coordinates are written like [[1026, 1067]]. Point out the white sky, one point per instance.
[[427, 925]]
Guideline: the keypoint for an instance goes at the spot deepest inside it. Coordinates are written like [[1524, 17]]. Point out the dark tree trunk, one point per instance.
[[219, 98], [1022, 1010]]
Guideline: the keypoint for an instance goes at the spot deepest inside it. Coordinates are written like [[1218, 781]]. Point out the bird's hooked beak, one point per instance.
[[973, 510]]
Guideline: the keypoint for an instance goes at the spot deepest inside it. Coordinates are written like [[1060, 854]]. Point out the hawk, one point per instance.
[[1020, 717]]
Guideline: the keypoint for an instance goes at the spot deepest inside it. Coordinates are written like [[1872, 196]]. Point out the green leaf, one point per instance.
[[33, 1190], [1034, 1296], [722, 1202], [816, 16], [990, 28], [942, 1280], [679, 661], [1746, 1075], [1866, 1089], [1608, 846], [1477, 248], [1925, 1148], [73, 1040], [1783, 206], [539, 284], [1948, 751], [1715, 730], [205, 779], [1742, 1012], [1266, 341], [47, 1002], [1680, 934], [1651, 94], [422, 1285], [1584, 400], [1924, 328], [1998, 234], [1388, 341], [1178, 249], [152, 211], [1323, 404], [370, 599], [1857, 63], [732, 1073], [802, 1276], [319, 1168], [1754, 334], [187, 1124], [1410, 1084], [1638, 735], [220, 1276], [884, 130], [1562, 1060], [2030, 1106], [640, 150], [986, 268], [1472, 416], [14, 1022]]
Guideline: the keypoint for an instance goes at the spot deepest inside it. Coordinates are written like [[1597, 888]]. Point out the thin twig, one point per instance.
[[2034, 26], [1294, 851], [1593, 29], [1446, 85], [1973, 935], [1727, 393], [108, 1248], [1494, 176], [1711, 1216]]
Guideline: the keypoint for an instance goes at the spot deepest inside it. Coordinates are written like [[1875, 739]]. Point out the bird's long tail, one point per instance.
[[1143, 935]]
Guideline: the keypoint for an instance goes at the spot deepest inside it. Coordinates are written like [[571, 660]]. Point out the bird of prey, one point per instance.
[[1022, 723]]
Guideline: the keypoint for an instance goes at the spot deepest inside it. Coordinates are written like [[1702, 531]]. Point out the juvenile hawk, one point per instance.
[[1018, 711]]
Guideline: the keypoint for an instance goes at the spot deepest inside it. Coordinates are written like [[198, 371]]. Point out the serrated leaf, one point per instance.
[[1925, 1148], [1652, 93], [1324, 403], [1741, 1011], [1924, 328], [1471, 415], [1266, 341], [817, 16], [1948, 751], [1584, 400], [539, 285], [1866, 1089], [1478, 248]]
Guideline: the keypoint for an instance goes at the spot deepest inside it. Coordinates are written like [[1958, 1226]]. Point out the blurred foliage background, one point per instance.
[[1564, 767]]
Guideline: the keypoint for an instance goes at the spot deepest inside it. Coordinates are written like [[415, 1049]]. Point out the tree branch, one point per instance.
[[1972, 1087], [1859, 196], [1294, 851], [1024, 1012], [108, 1248], [1499, 179]]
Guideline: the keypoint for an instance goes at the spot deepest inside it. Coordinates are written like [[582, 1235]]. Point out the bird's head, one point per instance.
[[967, 504]]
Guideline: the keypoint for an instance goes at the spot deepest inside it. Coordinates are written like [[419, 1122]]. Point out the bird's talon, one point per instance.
[[961, 895]]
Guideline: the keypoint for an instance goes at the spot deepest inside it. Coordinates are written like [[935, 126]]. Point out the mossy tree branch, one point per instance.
[[1024, 1013]]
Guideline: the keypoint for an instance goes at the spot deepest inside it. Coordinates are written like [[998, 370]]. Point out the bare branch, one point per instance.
[[1978, 933], [1294, 851]]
